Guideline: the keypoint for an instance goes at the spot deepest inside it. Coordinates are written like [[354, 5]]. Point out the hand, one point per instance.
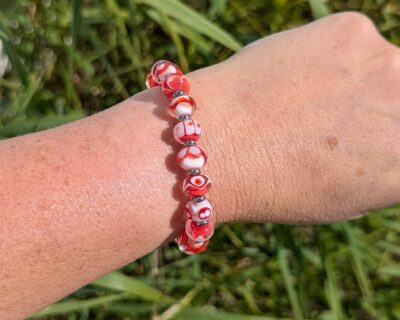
[[303, 126]]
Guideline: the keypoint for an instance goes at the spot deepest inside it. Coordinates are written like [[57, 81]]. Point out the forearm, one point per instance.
[[81, 200]]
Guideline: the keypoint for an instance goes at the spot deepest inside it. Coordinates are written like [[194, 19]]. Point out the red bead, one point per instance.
[[162, 68], [150, 83], [188, 246], [196, 185], [199, 233], [175, 82]]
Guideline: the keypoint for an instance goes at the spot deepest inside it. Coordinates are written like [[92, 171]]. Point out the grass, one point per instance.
[[74, 58]]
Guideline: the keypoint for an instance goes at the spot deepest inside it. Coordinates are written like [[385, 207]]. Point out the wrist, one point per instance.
[[242, 178]]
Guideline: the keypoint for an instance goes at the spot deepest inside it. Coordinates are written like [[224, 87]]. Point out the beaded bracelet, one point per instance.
[[175, 86]]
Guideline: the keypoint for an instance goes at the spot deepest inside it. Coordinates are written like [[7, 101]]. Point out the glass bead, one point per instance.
[[187, 130], [162, 68], [199, 233], [175, 82], [196, 185], [182, 106], [198, 211], [188, 246], [191, 157], [150, 83]]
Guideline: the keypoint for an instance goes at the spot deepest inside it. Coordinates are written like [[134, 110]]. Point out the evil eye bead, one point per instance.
[[196, 185], [162, 68], [198, 211], [188, 246], [187, 130], [199, 233], [174, 82], [191, 157], [182, 106]]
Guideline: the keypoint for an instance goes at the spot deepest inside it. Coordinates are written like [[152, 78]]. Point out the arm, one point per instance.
[[300, 127], [83, 199]]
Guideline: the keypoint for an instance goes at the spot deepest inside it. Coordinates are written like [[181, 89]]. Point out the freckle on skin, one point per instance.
[[332, 142], [360, 173], [44, 206]]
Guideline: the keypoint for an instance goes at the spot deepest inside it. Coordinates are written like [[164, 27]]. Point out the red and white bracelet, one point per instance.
[[175, 86]]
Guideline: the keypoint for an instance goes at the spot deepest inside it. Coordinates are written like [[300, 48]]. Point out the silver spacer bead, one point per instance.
[[189, 143], [178, 93], [199, 198], [194, 172], [184, 117], [202, 223]]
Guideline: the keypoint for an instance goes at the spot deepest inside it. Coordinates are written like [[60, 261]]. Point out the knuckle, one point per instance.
[[356, 24], [393, 57], [355, 20]]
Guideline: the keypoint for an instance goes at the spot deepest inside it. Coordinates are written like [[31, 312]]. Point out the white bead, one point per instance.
[[192, 157]]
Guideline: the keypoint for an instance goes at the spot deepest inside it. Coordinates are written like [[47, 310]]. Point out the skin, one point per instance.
[[300, 127]]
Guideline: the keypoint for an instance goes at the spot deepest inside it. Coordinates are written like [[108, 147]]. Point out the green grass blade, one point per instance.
[[289, 282], [121, 282], [120, 15], [186, 15], [359, 270], [390, 247], [207, 313], [76, 305], [300, 269], [331, 288], [332, 291], [392, 270], [126, 309], [182, 303], [76, 20], [171, 28], [319, 8], [20, 126], [194, 37], [30, 91], [392, 225], [13, 56]]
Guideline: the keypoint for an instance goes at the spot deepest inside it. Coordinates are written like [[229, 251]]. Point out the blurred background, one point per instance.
[[63, 60]]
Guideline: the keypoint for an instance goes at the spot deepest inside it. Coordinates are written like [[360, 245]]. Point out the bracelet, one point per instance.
[[175, 86]]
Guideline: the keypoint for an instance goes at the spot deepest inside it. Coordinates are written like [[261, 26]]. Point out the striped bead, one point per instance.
[[175, 82], [192, 157], [150, 83], [182, 106], [188, 246], [199, 232], [162, 68]]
